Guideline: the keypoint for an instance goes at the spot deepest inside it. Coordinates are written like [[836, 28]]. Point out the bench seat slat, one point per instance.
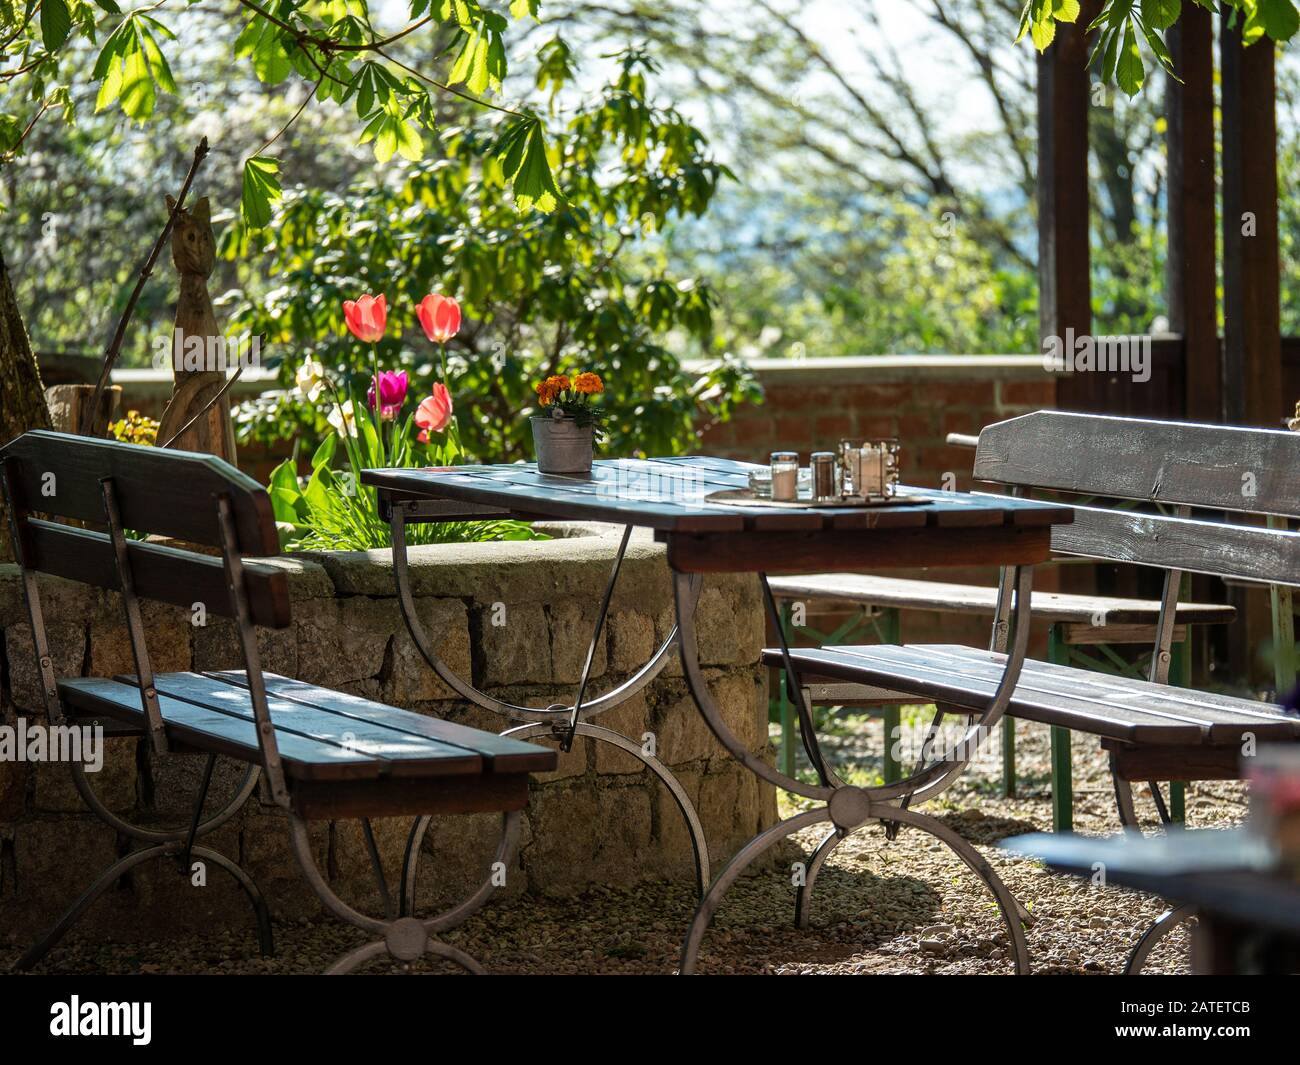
[[400, 753], [209, 730], [1227, 717], [1111, 707], [499, 753], [974, 599]]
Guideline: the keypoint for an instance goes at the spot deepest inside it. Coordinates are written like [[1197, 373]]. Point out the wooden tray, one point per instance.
[[744, 497]]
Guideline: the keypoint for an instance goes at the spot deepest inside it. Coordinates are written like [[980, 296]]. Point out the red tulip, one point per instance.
[[434, 414], [440, 317], [366, 317]]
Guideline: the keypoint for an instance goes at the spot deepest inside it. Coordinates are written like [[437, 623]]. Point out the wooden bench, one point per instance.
[[1075, 622], [316, 753], [1154, 732]]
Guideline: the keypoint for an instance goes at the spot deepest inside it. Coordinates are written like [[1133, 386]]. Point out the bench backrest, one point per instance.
[[156, 491], [194, 498], [1177, 465]]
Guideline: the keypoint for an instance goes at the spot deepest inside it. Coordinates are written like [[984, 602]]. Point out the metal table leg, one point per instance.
[[560, 722], [846, 807]]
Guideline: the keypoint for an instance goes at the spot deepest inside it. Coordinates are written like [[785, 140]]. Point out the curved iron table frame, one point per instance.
[[846, 807], [563, 723]]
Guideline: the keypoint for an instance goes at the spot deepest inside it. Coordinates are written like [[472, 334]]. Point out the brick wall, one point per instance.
[[812, 404]]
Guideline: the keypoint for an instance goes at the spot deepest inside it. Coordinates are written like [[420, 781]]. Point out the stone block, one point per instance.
[[67, 641], [407, 677], [516, 652], [572, 625]]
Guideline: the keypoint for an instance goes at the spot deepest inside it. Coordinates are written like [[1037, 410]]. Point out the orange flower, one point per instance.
[[588, 384], [549, 390]]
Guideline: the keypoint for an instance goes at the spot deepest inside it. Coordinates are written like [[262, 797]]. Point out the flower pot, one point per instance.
[[562, 445]]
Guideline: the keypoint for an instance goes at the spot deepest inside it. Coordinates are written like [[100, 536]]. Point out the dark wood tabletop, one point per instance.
[[668, 495]]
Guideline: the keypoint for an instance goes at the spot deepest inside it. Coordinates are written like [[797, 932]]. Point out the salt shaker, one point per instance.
[[785, 476]]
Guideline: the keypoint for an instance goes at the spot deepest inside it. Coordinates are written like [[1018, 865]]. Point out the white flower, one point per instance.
[[343, 419], [310, 380]]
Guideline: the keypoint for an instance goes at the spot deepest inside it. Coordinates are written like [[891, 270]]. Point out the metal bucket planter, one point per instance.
[[562, 445]]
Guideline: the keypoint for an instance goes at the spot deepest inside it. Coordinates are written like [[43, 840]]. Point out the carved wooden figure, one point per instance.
[[196, 342]]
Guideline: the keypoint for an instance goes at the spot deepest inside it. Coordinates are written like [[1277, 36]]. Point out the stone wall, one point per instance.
[[599, 819]]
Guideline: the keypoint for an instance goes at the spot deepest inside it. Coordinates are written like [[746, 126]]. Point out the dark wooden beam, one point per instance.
[[1252, 355], [1192, 264], [1064, 264]]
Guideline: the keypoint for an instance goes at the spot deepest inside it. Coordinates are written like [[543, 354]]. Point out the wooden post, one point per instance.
[[1252, 345], [68, 404], [1252, 352], [1192, 272], [1064, 265]]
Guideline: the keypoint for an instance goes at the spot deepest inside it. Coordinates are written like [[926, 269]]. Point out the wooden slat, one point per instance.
[[160, 572], [172, 493], [401, 753], [500, 754], [1214, 548], [973, 599], [1118, 708], [490, 793], [775, 552], [1175, 763], [1221, 467], [1227, 717], [943, 680], [207, 730]]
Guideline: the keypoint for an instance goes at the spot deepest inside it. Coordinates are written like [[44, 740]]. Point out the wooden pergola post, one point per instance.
[[1191, 267], [1252, 350], [1064, 262]]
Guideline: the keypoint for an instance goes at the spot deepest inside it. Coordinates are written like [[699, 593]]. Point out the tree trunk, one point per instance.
[[22, 398]]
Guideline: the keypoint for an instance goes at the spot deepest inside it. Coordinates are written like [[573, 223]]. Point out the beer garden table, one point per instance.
[[926, 528]]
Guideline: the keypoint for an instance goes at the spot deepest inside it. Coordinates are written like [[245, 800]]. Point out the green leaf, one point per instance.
[[56, 23], [324, 454], [261, 189], [1276, 18], [1042, 34], [1161, 14], [1129, 71], [1067, 10], [523, 158]]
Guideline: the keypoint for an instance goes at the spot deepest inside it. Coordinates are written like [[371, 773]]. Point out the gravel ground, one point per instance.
[[902, 906]]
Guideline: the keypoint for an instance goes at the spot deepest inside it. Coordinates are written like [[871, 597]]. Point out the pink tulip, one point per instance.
[[392, 393], [434, 414], [440, 317], [366, 318]]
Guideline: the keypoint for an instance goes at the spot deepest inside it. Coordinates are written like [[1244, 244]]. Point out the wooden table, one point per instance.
[[1247, 914], [926, 528]]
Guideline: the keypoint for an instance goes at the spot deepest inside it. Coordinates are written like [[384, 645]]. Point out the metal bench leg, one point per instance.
[[124, 865], [1160, 927], [1062, 778], [406, 938], [803, 900]]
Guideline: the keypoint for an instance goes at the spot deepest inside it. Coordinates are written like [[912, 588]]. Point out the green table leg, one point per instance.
[[892, 719], [1062, 781], [890, 627]]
